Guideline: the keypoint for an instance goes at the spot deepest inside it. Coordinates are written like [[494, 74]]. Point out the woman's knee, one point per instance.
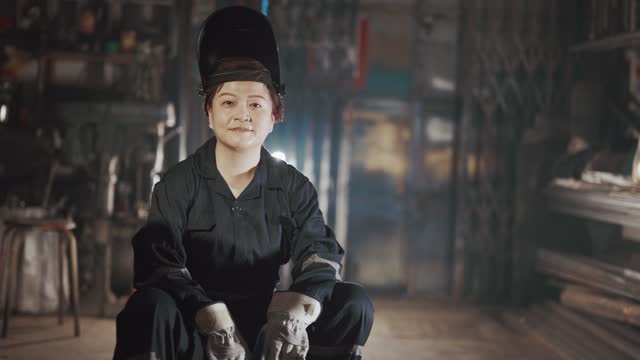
[[355, 300], [144, 325], [148, 302]]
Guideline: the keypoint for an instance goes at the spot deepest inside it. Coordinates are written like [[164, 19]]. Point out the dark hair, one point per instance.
[[231, 64]]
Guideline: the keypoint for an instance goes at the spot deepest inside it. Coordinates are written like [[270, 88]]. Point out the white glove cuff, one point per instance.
[[295, 305], [213, 318]]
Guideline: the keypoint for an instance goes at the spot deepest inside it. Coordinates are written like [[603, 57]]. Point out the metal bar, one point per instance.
[[574, 271], [601, 305], [342, 182], [598, 331], [632, 15], [185, 83], [555, 333], [566, 268], [589, 343], [621, 330], [455, 248], [573, 261], [606, 199]]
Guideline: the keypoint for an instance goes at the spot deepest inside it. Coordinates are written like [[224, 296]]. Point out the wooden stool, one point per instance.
[[12, 241]]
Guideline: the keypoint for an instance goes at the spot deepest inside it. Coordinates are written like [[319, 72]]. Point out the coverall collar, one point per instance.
[[205, 163]]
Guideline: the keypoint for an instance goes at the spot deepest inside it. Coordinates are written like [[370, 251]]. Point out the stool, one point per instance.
[[12, 241]]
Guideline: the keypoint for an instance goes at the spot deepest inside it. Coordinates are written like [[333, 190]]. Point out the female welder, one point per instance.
[[224, 220]]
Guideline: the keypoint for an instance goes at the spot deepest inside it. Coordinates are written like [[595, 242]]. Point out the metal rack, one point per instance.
[[608, 43], [93, 57], [611, 25]]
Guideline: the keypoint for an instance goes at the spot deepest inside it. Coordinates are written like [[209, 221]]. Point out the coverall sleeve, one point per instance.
[[315, 253], [159, 254]]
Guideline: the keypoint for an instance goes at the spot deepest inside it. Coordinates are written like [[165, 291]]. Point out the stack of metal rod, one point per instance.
[[598, 313], [606, 278], [576, 335]]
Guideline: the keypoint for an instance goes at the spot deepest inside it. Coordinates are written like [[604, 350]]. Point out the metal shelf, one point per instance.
[[608, 43], [121, 112], [606, 205], [120, 58], [150, 2]]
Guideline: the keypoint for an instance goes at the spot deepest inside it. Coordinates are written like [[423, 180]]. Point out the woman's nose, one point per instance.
[[243, 113]]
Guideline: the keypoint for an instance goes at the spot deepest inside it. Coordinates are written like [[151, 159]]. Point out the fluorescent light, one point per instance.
[[442, 84], [3, 113], [171, 115]]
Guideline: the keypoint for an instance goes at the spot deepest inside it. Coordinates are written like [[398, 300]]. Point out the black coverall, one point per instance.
[[201, 245]]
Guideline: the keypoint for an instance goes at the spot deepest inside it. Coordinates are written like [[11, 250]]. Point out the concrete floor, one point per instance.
[[402, 330]]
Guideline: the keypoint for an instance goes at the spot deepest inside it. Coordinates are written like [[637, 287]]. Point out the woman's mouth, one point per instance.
[[241, 130]]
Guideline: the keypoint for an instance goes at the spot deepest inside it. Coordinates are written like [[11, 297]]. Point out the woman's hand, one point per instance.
[[284, 336], [224, 342]]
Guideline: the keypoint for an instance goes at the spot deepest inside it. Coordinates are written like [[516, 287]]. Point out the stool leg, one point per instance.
[[5, 248], [5, 258], [62, 241], [12, 274], [73, 274]]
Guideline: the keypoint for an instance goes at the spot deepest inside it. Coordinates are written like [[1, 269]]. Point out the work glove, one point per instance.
[[284, 336], [223, 339]]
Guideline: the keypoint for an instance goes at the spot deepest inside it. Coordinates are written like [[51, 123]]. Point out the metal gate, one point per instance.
[[512, 68]]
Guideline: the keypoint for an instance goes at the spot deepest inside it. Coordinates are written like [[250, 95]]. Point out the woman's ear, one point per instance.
[[210, 121], [273, 122], [209, 118]]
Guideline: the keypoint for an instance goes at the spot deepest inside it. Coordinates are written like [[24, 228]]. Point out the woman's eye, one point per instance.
[[256, 105], [227, 102]]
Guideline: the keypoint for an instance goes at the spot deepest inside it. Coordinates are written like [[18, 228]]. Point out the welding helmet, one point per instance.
[[237, 32]]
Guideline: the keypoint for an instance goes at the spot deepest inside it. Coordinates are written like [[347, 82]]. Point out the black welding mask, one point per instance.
[[237, 32]]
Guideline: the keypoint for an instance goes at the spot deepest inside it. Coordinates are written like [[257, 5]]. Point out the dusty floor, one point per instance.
[[402, 330]]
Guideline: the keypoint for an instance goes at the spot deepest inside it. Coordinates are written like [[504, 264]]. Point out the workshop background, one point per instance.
[[477, 159]]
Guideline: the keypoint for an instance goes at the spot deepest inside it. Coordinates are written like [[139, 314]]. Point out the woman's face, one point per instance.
[[241, 114]]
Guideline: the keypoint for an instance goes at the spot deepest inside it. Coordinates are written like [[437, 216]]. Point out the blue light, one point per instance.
[[264, 7]]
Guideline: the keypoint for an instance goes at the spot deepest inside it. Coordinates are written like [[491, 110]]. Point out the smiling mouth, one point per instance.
[[241, 130]]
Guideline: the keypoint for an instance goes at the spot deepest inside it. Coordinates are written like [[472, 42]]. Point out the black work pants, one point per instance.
[[151, 327]]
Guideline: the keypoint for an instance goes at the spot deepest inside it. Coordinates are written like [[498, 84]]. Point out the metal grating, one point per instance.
[[513, 67]]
